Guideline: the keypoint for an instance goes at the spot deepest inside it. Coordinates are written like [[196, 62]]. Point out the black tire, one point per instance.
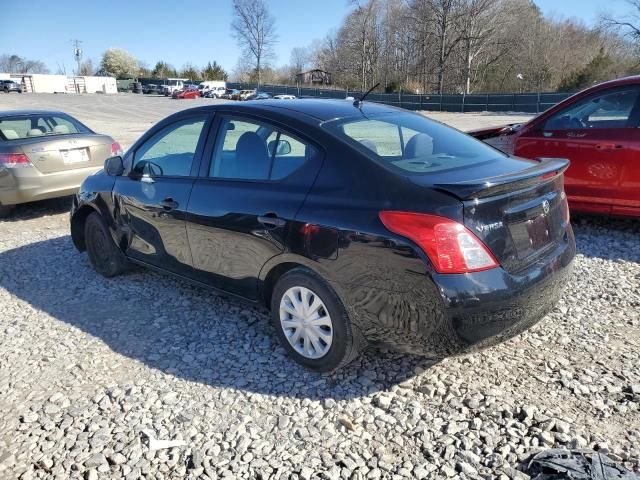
[[347, 341], [104, 255], [5, 210]]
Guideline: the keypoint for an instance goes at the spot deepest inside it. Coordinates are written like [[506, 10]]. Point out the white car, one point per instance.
[[285, 97], [212, 89]]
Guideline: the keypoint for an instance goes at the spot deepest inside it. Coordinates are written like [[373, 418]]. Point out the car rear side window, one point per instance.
[[27, 126], [254, 150], [170, 152], [410, 143]]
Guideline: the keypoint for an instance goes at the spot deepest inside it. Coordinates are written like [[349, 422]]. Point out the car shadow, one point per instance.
[[608, 238], [183, 330], [41, 208]]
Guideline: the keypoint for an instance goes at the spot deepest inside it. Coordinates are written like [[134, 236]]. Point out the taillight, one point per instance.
[[14, 160], [451, 247], [116, 149]]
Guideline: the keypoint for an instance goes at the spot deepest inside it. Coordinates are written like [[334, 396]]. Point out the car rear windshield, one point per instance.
[[410, 143], [38, 125]]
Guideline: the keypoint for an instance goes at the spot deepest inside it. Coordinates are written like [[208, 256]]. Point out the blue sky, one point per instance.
[[186, 31]]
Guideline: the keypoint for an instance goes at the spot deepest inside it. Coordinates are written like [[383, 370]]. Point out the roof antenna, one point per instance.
[[358, 102]]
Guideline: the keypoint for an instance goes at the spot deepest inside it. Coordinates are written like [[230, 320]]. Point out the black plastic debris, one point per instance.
[[556, 464]]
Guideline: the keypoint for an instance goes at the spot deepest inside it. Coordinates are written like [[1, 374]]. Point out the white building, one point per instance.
[[42, 83]]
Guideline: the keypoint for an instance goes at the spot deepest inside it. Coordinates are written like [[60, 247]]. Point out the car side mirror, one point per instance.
[[114, 166], [282, 148]]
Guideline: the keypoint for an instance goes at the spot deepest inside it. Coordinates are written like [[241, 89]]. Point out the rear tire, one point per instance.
[[322, 340], [104, 255]]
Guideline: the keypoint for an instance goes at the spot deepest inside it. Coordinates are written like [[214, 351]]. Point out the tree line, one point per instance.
[[467, 46]]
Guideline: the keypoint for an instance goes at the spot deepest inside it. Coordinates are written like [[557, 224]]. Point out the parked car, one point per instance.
[[235, 94], [170, 85], [151, 89], [285, 97], [8, 86], [598, 131], [246, 93], [189, 92], [46, 154], [259, 96], [353, 224]]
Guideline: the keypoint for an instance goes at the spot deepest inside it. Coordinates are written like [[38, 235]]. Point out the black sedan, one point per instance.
[[354, 223]]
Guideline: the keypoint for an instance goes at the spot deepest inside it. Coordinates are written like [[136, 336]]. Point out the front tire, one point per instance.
[[312, 323], [104, 255]]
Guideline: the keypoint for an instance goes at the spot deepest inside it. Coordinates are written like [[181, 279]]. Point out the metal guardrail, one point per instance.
[[492, 102]]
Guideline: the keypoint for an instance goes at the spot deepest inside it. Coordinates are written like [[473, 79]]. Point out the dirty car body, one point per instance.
[[597, 130], [352, 201], [46, 154]]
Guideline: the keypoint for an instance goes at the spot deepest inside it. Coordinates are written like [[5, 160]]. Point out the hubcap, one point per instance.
[[306, 322]]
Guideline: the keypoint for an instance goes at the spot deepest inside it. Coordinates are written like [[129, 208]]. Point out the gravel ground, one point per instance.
[[87, 364]]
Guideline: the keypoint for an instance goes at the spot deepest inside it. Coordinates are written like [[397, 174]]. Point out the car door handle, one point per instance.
[[169, 204], [609, 146], [271, 220]]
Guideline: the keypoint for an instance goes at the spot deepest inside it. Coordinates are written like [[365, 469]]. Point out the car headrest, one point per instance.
[[10, 134], [420, 145], [61, 129], [369, 144], [35, 132], [252, 157]]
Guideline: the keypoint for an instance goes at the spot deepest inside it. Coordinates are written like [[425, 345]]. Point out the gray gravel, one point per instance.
[[88, 363]]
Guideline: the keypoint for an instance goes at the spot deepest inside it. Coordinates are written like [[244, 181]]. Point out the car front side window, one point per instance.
[[616, 108], [171, 151]]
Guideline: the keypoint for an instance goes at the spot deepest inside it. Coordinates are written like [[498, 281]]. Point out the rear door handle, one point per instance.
[[169, 204], [609, 146], [271, 220]]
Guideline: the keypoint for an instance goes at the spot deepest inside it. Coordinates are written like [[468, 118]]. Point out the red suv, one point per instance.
[[598, 131]]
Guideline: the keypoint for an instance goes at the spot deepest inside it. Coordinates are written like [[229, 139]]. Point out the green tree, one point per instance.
[[597, 70], [190, 71], [163, 70], [213, 71], [119, 63]]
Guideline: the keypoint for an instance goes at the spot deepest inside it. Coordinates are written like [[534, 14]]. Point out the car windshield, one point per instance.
[[409, 143], [38, 125]]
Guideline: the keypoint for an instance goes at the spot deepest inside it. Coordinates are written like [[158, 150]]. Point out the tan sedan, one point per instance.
[[46, 154]]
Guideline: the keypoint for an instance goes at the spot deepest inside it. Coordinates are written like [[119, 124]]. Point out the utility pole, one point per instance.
[[77, 53]]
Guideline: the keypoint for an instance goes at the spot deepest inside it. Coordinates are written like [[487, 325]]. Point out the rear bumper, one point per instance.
[[445, 315], [22, 185]]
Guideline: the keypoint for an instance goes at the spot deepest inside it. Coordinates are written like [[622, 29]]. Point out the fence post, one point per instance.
[[486, 105], [464, 96], [538, 104], [440, 102], [513, 102]]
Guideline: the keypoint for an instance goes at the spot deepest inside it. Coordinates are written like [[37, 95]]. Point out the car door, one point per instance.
[[596, 133], [242, 206], [151, 199]]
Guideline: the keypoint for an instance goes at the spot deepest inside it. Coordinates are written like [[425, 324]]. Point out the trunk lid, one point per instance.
[[519, 215], [67, 152]]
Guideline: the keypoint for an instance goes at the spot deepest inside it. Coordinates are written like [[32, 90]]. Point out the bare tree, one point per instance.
[[629, 26], [254, 29], [300, 59]]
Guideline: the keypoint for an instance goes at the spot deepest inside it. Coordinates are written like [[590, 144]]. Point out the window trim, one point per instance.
[[215, 139], [205, 134], [540, 127]]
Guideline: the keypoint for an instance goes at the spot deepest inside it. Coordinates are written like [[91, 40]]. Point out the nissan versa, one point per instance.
[[354, 223]]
